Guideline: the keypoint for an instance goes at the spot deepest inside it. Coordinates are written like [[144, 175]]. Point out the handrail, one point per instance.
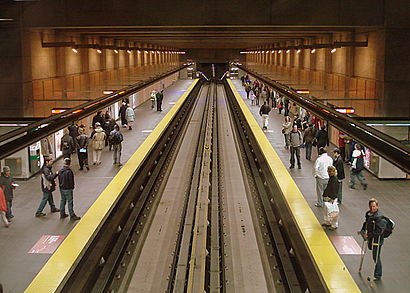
[[389, 148], [17, 139]]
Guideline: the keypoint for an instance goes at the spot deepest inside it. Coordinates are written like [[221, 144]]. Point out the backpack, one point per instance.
[[390, 224], [65, 145], [114, 138], [360, 163]]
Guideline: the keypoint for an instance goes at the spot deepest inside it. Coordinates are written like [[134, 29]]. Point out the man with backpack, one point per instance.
[[375, 228], [116, 139], [357, 167]]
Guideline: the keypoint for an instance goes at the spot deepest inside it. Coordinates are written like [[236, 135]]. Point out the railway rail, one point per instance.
[[202, 214]]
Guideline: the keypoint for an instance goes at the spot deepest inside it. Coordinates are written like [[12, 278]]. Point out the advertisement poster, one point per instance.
[[57, 138]]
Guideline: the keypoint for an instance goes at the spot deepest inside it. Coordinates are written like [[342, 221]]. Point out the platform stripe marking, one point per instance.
[[61, 263], [328, 261]]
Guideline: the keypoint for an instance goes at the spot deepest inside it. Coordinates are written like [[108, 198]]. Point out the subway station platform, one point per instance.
[[394, 202], [21, 254]]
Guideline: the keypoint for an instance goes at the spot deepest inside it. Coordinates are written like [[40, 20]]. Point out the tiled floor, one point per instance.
[[17, 266], [394, 202]]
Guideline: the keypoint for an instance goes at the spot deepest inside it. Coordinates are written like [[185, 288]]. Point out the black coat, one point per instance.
[[338, 164], [332, 188], [66, 178]]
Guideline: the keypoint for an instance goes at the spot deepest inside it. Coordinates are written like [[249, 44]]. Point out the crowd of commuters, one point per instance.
[[304, 130]]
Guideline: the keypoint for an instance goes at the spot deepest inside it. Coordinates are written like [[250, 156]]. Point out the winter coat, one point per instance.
[[309, 135], [338, 164], [295, 138], [66, 178], [98, 139], [322, 138], [6, 184], [48, 183], [130, 115], [332, 188], [67, 145]]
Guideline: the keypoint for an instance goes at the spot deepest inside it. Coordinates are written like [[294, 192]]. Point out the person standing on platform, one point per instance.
[[295, 141], [82, 149], [122, 112], [66, 183], [3, 208], [330, 200], [130, 114], [8, 185], [308, 138], [67, 145], [321, 175], [372, 231], [98, 137], [48, 185], [286, 129], [153, 98], [264, 112], [339, 165], [116, 139], [322, 139], [357, 167], [160, 97]]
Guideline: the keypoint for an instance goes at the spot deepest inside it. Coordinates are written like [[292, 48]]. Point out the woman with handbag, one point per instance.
[[331, 207]]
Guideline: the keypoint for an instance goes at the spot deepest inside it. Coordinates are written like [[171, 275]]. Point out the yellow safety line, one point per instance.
[[63, 261], [328, 261]]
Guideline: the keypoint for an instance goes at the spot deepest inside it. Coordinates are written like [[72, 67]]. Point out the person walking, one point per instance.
[[160, 97], [286, 129], [153, 98], [264, 112], [247, 90], [122, 112], [322, 139], [372, 232], [98, 137], [116, 139], [295, 141], [82, 149], [339, 165], [331, 217], [130, 114], [357, 167], [48, 185], [3, 208], [321, 175], [8, 185], [308, 138], [67, 144], [66, 183]]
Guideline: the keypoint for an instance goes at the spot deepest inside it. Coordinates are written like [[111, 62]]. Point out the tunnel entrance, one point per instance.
[[213, 71]]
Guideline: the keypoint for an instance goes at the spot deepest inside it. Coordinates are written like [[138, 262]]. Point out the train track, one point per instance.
[[199, 216]]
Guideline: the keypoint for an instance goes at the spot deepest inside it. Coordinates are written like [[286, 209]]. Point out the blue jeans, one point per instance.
[[308, 146], [47, 197], [67, 196], [9, 213], [377, 249]]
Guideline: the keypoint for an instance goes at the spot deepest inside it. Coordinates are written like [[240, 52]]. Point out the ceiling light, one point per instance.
[[313, 51], [298, 51], [99, 51], [287, 51], [74, 50], [116, 51], [333, 50]]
